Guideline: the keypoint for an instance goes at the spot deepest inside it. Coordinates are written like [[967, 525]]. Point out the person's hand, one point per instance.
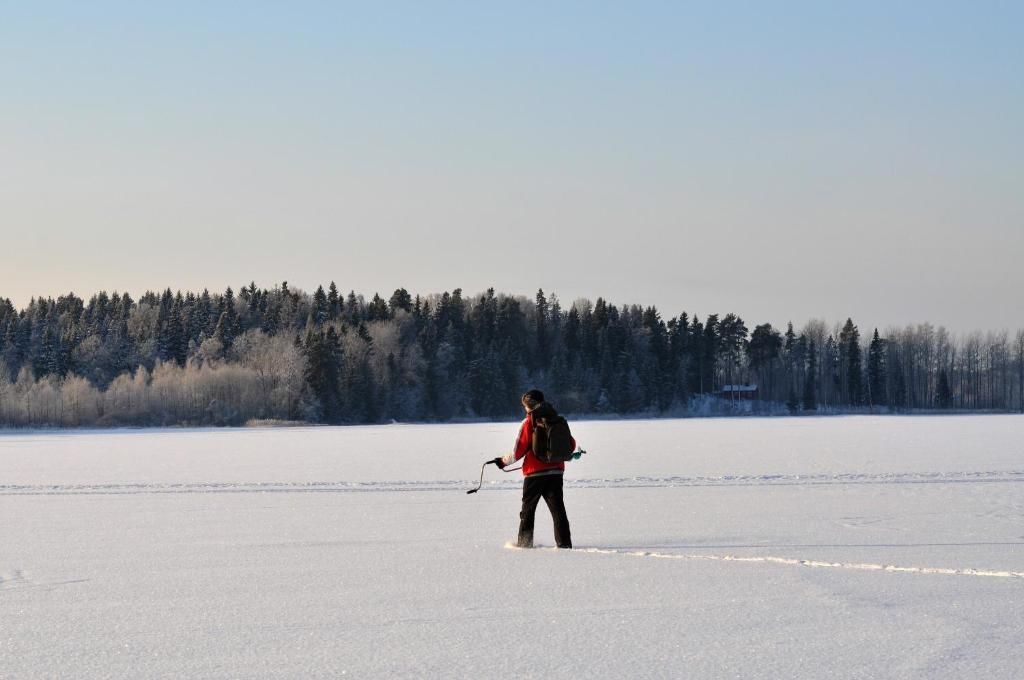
[[499, 462]]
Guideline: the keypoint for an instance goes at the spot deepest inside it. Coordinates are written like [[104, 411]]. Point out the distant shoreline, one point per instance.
[[297, 424]]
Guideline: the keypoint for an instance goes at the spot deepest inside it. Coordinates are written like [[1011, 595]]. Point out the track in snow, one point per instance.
[[792, 562], [513, 483]]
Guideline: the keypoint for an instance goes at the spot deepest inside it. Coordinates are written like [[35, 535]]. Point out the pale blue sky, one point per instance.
[[782, 161]]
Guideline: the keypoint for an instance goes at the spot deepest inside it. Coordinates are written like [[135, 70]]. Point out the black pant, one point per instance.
[[550, 488]]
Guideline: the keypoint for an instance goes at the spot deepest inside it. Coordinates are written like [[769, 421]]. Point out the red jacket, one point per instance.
[[524, 447]]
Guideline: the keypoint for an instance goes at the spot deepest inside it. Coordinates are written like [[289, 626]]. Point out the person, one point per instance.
[[540, 479]]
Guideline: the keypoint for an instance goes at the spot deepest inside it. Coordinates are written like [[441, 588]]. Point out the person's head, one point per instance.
[[533, 399]]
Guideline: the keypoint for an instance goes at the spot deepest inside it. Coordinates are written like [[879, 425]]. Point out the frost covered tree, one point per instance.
[[216, 359]]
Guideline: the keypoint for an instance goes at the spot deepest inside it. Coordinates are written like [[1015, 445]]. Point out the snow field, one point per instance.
[[726, 548]]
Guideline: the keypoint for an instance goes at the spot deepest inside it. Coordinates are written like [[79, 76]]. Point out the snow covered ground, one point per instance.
[[851, 547]]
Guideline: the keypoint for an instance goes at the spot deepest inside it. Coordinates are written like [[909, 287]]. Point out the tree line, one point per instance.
[[280, 354]]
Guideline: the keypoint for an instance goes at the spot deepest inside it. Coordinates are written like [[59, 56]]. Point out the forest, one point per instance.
[[283, 355]]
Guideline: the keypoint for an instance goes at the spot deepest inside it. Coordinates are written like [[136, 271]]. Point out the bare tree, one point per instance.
[[1019, 346]]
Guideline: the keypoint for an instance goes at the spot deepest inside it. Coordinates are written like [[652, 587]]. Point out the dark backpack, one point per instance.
[[552, 440]]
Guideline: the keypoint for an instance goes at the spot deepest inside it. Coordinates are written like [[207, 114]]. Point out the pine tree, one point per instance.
[[400, 300], [733, 343], [763, 349]]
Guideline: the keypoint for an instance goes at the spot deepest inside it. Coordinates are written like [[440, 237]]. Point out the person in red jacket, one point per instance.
[[541, 480]]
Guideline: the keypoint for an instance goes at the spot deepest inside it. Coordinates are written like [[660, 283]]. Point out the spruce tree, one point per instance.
[[876, 370], [319, 310], [223, 334], [323, 355], [377, 310], [854, 361], [832, 362], [697, 355], [229, 316], [332, 377], [679, 331], [334, 302], [364, 333], [253, 298], [206, 316], [43, 361], [22, 343], [543, 358], [173, 342], [353, 308], [810, 397], [459, 356], [850, 362], [572, 332]]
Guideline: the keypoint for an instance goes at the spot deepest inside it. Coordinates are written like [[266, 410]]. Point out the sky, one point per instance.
[[782, 161]]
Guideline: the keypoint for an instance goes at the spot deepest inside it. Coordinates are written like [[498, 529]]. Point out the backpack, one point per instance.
[[552, 440]]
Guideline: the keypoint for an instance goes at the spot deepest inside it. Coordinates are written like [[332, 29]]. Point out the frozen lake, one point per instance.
[[856, 547]]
